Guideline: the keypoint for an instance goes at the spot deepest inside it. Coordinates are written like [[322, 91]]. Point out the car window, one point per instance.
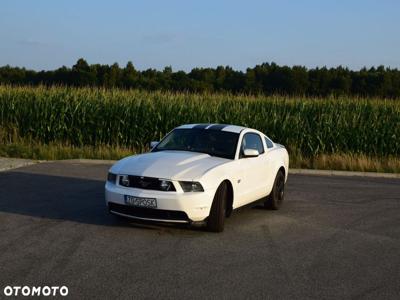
[[252, 141], [213, 142], [268, 142]]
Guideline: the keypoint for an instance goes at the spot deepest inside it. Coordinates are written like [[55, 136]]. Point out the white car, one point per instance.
[[199, 173]]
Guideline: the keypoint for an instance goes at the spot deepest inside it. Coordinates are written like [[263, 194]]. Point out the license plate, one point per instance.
[[140, 202]]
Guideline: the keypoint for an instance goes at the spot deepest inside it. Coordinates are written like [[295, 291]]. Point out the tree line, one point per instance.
[[266, 78]]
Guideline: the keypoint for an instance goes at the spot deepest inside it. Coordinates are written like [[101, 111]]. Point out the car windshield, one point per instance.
[[213, 142]]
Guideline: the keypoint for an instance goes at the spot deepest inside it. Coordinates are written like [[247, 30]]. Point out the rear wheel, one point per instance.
[[216, 219], [275, 199]]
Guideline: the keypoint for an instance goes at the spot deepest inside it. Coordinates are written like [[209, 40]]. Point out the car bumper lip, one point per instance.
[[149, 219], [196, 205]]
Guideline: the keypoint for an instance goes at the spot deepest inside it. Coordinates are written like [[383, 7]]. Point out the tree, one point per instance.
[[82, 75], [265, 78], [130, 76]]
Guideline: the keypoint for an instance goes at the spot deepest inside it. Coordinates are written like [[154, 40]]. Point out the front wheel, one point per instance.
[[216, 219], [275, 199]]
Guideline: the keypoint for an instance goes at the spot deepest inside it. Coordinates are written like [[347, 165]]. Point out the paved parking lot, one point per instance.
[[335, 237]]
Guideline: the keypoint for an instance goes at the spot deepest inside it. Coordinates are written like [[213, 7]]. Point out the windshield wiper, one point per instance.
[[188, 150], [170, 149]]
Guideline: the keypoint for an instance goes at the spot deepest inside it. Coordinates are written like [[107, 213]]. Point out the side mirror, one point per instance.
[[250, 153], [153, 144]]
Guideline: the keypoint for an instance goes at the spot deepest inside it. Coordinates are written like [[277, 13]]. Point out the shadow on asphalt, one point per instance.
[[63, 198]]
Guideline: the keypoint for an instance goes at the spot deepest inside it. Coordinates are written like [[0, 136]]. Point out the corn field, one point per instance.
[[95, 117]]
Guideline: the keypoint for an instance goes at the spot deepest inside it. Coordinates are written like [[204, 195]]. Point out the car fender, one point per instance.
[[280, 159], [216, 175]]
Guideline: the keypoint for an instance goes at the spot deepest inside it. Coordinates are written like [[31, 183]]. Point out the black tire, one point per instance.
[[216, 219], [275, 199]]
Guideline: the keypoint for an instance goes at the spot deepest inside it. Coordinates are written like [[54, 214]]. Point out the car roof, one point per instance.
[[211, 126]]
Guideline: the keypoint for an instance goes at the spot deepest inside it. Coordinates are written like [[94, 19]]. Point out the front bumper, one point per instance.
[[175, 207]]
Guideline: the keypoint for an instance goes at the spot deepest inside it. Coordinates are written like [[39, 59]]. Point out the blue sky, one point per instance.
[[45, 34]]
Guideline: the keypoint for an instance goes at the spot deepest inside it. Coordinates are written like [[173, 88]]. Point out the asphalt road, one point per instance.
[[334, 238]]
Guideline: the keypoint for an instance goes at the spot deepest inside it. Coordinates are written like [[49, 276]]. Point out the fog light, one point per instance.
[[124, 180], [165, 185]]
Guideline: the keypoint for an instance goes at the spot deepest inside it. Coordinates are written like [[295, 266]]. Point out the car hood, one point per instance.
[[174, 165]]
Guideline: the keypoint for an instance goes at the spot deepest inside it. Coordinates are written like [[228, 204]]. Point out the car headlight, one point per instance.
[[191, 186], [166, 185], [111, 177]]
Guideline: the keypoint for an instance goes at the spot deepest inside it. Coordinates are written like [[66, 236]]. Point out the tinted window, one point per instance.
[[268, 142], [252, 141], [213, 142]]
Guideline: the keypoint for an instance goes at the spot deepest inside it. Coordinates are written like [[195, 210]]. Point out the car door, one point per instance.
[[254, 170]]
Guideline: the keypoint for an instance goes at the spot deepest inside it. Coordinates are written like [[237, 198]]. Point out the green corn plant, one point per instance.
[[131, 118]]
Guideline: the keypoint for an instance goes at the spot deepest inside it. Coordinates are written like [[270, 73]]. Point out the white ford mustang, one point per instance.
[[199, 173]]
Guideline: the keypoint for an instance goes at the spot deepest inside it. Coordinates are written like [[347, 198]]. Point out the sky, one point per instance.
[[46, 34]]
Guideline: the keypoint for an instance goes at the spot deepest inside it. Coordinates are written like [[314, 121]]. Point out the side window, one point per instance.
[[251, 141], [268, 142]]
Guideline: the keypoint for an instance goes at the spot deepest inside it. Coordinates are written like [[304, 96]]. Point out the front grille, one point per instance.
[[145, 183], [148, 213]]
